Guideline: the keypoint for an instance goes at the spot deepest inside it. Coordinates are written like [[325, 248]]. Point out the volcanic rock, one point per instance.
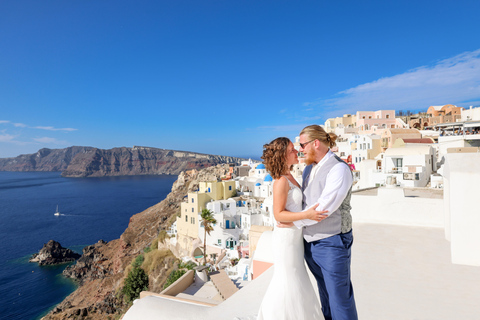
[[53, 253]]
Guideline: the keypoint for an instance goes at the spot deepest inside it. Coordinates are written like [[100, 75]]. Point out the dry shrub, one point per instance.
[[155, 259], [162, 235], [154, 245]]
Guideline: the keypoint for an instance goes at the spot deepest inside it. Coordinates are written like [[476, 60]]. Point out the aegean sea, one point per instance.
[[90, 209]]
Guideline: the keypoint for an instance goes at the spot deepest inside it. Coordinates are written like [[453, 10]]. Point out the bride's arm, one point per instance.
[[280, 194]]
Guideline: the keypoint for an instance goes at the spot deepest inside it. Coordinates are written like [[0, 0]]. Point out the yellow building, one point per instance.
[[218, 190], [188, 223]]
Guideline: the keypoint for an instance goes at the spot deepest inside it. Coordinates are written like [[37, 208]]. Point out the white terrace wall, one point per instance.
[[462, 212], [391, 206]]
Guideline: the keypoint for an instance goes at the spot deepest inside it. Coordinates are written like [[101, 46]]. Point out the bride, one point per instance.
[[290, 294]]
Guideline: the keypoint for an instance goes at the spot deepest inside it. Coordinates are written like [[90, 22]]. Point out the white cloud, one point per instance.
[[54, 129], [454, 80], [49, 128], [284, 128], [47, 140], [6, 138]]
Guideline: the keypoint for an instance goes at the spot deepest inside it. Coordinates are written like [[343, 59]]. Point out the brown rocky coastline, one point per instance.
[[95, 162], [103, 266]]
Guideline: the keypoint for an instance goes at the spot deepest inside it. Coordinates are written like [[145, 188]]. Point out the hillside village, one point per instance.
[[384, 150]]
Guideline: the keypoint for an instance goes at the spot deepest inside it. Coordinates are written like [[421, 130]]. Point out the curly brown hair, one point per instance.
[[275, 156]]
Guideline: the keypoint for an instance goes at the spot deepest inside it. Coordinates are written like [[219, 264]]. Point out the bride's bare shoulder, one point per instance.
[[281, 184]]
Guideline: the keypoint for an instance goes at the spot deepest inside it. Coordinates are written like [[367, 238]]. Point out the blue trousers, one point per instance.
[[329, 261]]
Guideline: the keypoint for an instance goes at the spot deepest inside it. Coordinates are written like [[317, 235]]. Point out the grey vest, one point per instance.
[[339, 221]]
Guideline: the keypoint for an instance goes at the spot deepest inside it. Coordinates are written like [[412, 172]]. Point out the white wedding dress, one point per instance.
[[290, 295]]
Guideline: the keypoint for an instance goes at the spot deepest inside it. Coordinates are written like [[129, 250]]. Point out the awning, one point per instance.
[[472, 124], [450, 124]]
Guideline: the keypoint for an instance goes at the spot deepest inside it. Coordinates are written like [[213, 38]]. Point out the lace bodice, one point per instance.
[[294, 199]]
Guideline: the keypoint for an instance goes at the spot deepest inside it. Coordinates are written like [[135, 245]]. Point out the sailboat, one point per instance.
[[57, 213]]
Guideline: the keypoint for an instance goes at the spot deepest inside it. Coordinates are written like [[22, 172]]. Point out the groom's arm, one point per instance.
[[339, 181]]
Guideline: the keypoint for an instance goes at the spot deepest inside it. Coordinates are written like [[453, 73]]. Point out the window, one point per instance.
[[230, 188], [219, 242], [193, 200], [186, 218], [193, 210], [363, 117], [398, 162], [208, 189], [388, 116], [369, 117]]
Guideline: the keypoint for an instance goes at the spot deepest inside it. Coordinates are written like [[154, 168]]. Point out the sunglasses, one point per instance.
[[303, 145]]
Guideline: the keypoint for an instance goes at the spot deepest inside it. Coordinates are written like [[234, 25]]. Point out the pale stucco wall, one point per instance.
[[462, 213]]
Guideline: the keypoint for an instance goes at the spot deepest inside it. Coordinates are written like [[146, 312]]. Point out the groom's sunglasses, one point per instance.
[[303, 145]]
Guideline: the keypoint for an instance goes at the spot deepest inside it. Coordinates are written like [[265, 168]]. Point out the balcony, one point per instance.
[[395, 170]]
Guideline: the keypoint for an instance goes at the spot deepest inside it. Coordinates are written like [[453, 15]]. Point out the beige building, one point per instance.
[[347, 121], [390, 135], [188, 223]]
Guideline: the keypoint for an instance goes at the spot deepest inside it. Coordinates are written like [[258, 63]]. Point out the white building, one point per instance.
[[226, 232], [366, 147], [411, 164], [264, 189], [471, 114]]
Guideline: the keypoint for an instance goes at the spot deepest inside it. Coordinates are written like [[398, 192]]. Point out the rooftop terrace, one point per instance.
[[398, 272]]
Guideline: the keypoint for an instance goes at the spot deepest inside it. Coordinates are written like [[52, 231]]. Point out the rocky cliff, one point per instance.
[[94, 162], [44, 160], [103, 266]]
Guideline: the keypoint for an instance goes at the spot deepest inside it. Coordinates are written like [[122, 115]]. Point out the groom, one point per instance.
[[327, 180]]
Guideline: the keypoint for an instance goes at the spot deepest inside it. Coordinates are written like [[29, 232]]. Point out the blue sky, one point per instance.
[[222, 77]]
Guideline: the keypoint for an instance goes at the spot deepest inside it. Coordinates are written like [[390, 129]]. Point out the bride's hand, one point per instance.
[[313, 214]]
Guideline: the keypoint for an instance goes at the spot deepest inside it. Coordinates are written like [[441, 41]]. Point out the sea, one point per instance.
[[91, 209]]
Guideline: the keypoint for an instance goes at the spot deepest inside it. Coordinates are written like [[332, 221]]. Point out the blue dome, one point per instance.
[[268, 177], [260, 166], [258, 184]]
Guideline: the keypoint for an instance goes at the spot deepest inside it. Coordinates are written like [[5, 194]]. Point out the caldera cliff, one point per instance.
[[94, 162]]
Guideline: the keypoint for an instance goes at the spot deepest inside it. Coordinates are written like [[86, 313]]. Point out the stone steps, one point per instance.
[[223, 284]]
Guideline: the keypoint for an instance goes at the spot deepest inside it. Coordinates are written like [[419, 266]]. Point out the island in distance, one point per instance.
[[93, 162]]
